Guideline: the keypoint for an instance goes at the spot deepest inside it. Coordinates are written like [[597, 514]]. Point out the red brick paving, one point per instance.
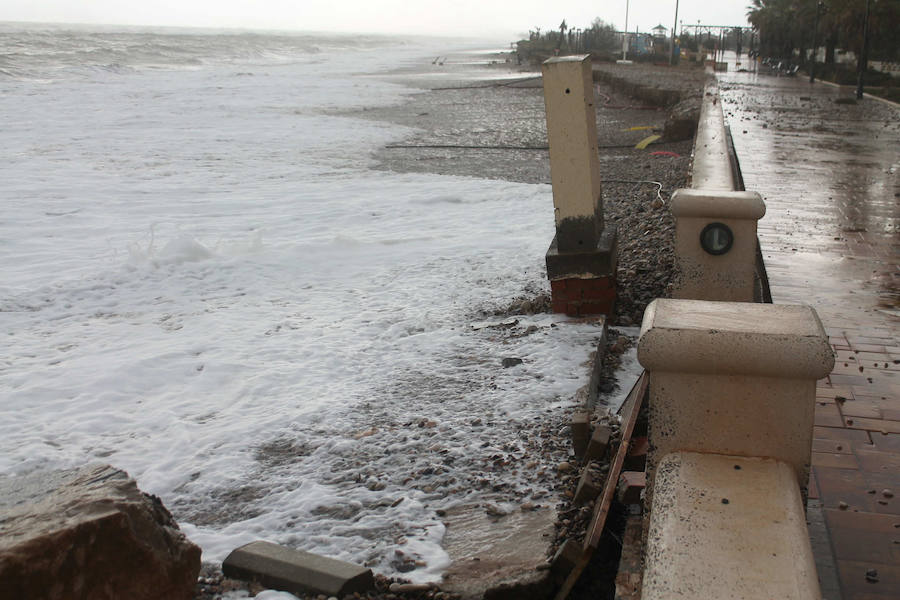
[[830, 239], [856, 465]]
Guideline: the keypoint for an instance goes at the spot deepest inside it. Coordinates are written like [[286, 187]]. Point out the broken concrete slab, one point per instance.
[[498, 559], [90, 533], [295, 571], [682, 119]]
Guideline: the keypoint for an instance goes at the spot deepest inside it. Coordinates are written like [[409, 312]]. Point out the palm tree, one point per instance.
[[787, 24], [562, 34]]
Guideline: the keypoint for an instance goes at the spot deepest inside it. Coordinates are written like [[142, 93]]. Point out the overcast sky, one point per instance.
[[503, 19]]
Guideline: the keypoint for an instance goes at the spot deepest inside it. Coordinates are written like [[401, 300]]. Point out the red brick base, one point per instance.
[[579, 297]]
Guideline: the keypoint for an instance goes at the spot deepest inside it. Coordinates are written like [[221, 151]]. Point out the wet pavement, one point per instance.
[[827, 167]]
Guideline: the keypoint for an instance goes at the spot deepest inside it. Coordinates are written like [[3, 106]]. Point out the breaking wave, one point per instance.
[[57, 51]]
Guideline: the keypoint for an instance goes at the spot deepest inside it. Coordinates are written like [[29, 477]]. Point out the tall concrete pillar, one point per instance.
[[581, 261]]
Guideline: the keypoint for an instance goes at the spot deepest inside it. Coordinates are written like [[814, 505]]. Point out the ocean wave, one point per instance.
[[49, 51]]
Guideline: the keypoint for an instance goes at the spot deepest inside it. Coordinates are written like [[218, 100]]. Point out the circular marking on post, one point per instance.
[[568, 91], [716, 239]]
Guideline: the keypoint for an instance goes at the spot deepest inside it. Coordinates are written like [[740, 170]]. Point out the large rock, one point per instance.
[[90, 533]]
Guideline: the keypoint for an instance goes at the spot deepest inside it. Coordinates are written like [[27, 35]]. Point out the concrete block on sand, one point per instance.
[[636, 459], [295, 571]]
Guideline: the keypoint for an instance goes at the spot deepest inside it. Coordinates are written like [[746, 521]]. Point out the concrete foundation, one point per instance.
[[578, 297]]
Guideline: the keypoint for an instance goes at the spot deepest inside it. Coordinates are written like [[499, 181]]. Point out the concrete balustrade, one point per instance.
[[733, 378], [732, 397], [715, 244], [715, 223], [711, 169], [727, 527], [581, 261]]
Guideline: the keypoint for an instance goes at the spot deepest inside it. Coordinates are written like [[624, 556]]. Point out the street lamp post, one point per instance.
[[863, 63], [721, 46], [625, 37], [674, 27], [815, 49]]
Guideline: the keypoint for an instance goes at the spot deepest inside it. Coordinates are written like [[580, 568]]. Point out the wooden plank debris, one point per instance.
[[630, 409]]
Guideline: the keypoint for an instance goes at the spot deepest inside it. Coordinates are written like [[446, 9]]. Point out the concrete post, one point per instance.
[[715, 244], [733, 378], [574, 162], [581, 260]]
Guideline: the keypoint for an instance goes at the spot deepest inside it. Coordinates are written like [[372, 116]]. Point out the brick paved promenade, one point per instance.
[[829, 174]]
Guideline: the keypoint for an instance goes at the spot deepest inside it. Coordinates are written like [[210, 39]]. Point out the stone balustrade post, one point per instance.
[[715, 244], [581, 261], [732, 378]]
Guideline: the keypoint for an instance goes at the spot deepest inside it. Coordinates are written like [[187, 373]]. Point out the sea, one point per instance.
[[209, 282]]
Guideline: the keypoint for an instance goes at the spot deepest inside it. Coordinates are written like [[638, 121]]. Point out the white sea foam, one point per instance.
[[206, 285]]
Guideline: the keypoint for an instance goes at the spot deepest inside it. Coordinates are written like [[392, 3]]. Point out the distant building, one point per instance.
[[660, 32], [638, 43]]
